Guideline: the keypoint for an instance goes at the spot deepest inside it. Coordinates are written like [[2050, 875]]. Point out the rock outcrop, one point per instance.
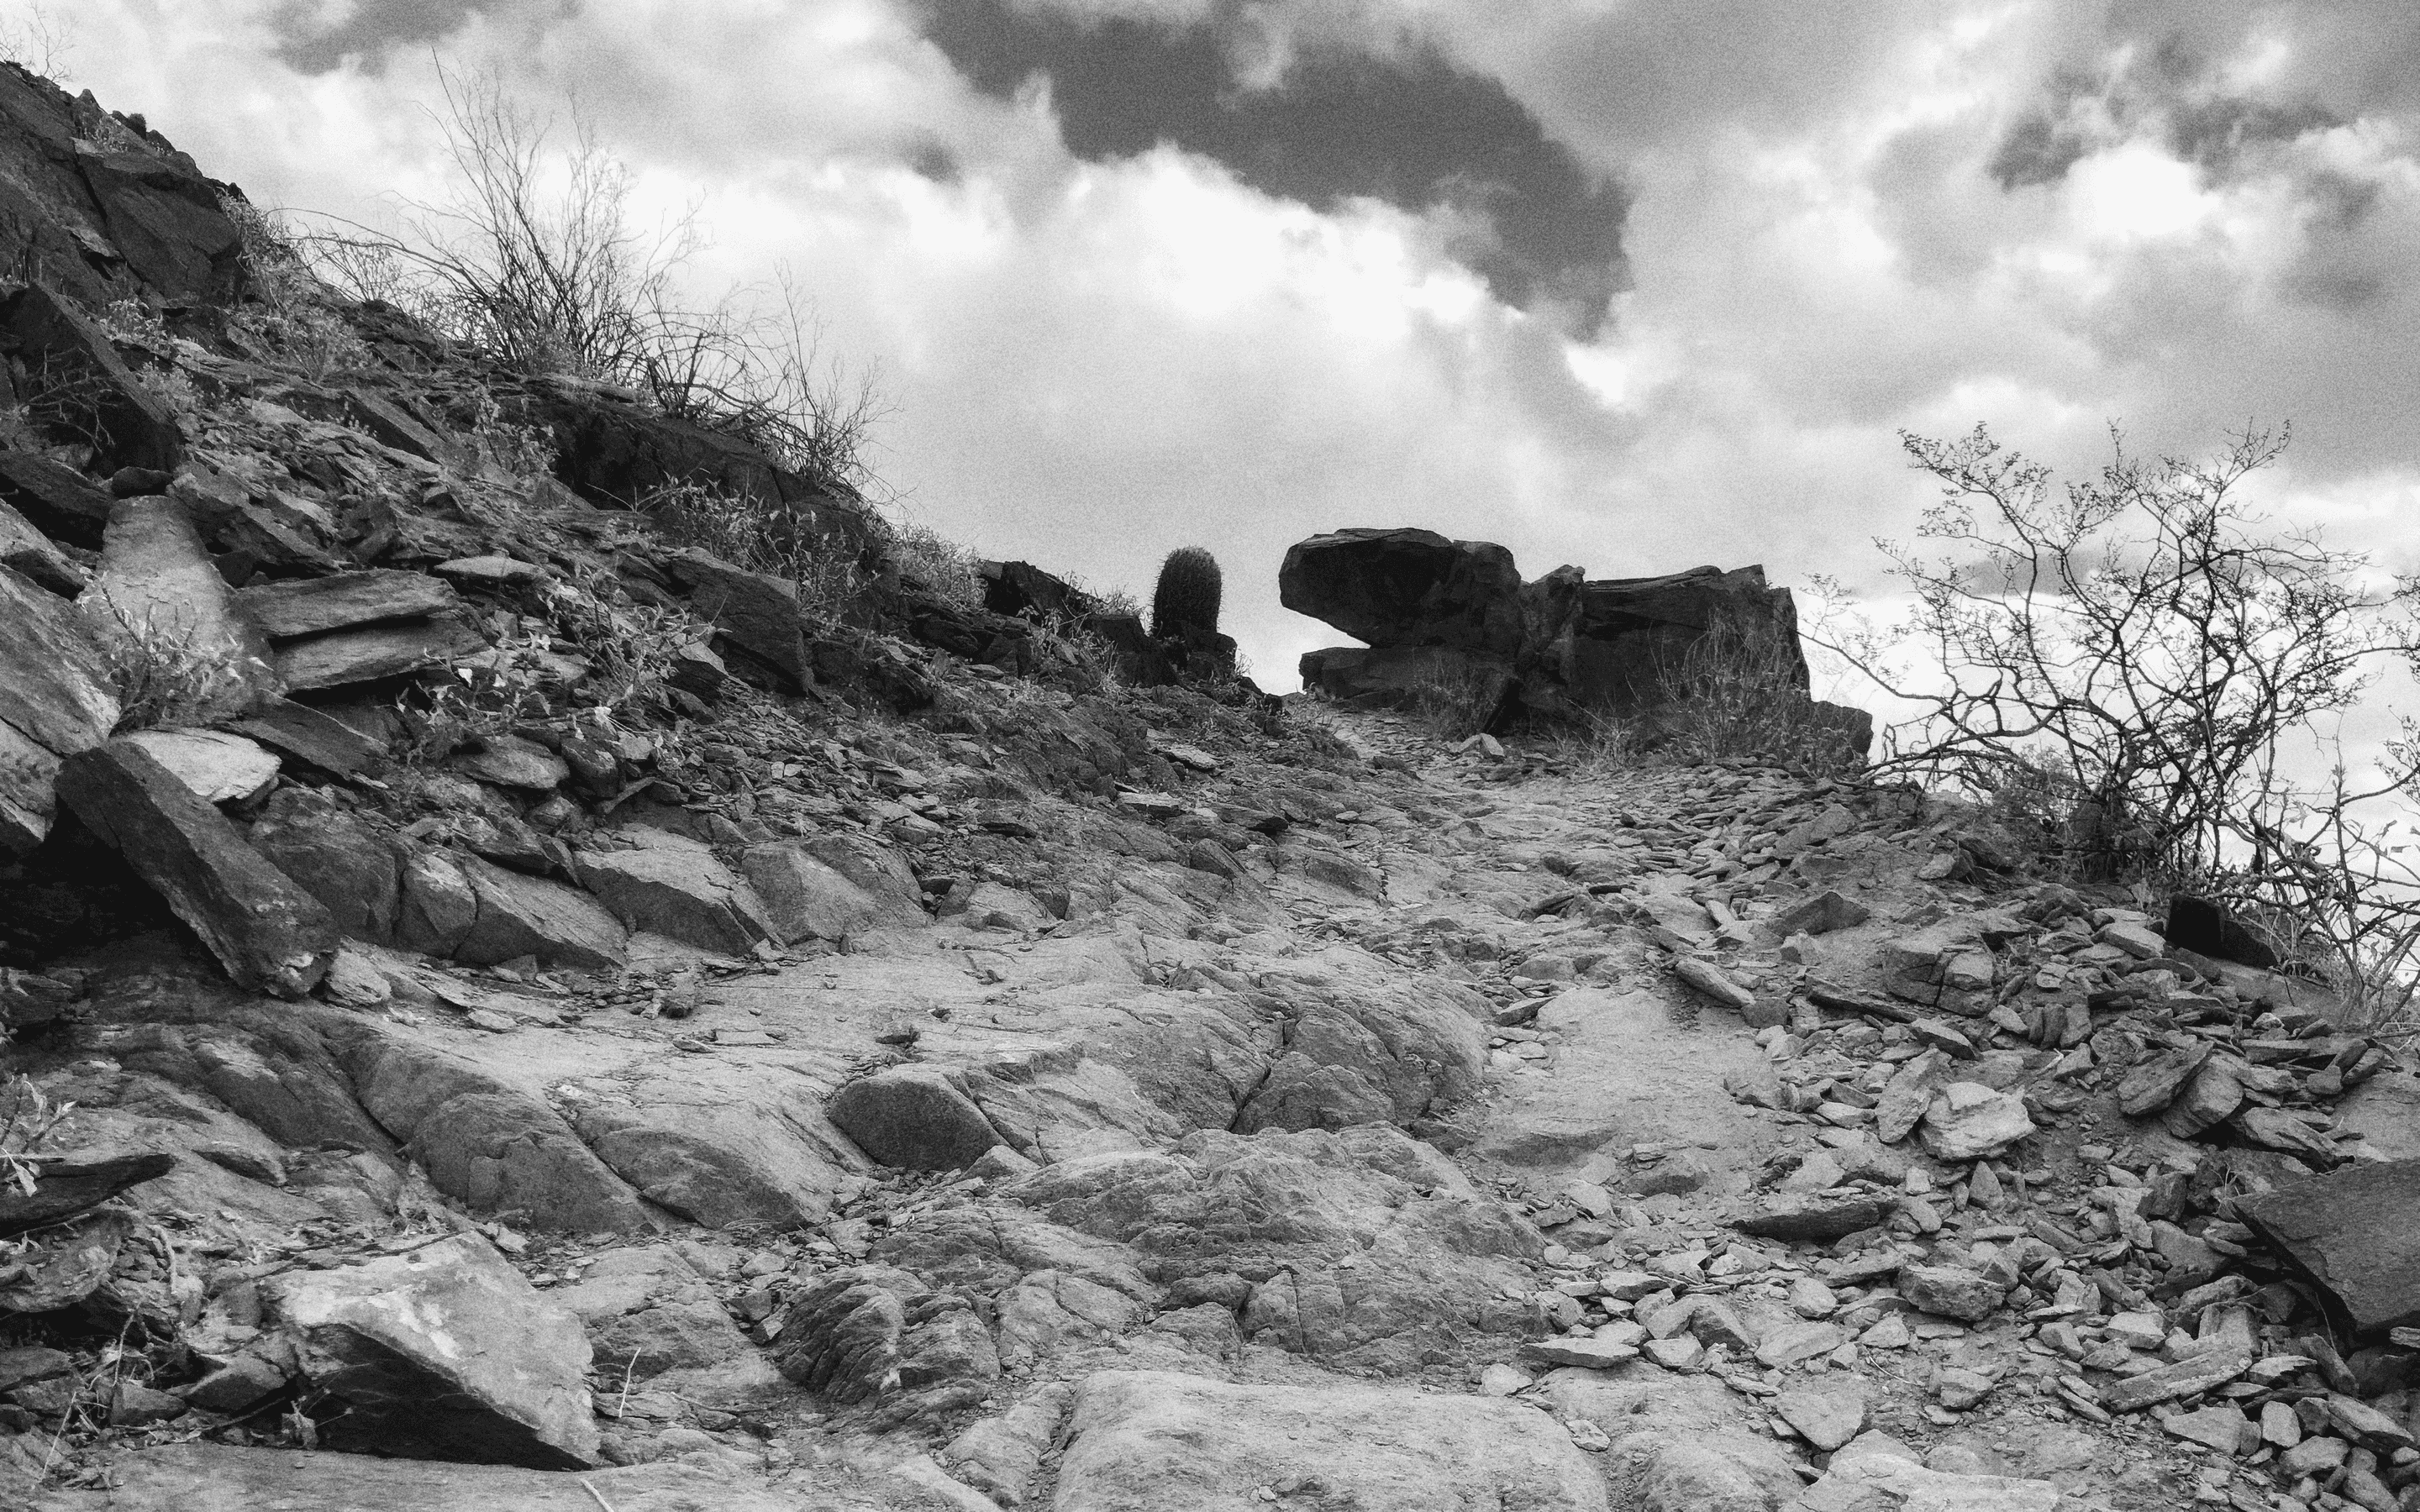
[[1455, 617]]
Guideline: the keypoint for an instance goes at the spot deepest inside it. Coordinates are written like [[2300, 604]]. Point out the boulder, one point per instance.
[[1876, 1472], [485, 1142], [511, 762], [343, 657], [1967, 1120], [267, 934], [648, 1311], [54, 499], [56, 699], [337, 856], [76, 386], [314, 738], [213, 1477], [493, 573], [1818, 914], [27, 551], [1951, 1290], [217, 766], [1407, 588], [440, 1352], [671, 885], [308, 606], [1022, 589], [1828, 1413], [804, 899], [519, 916], [1629, 645], [879, 870], [756, 613], [1144, 1441], [63, 1188], [1818, 1218], [2350, 1231], [2206, 928], [913, 1117], [160, 596]]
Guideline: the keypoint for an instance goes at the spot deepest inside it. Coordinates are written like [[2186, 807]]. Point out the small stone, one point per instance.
[[1811, 1299], [1959, 1389], [2279, 1427], [1828, 1415], [1678, 1353], [1793, 1342], [1586, 1353], [1968, 1120], [1503, 1380], [1950, 1290], [2313, 1455], [2136, 1331], [2223, 1428]]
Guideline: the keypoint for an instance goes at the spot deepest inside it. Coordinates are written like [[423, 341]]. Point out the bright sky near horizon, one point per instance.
[[1635, 286]]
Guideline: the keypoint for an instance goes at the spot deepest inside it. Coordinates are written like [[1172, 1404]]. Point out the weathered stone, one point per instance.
[[1791, 1343], [438, 907], [54, 499], [2205, 928], [1874, 1471], [1959, 1389], [756, 613], [647, 1311], [27, 551], [1815, 1218], [2153, 1084], [76, 383], [521, 916], [1407, 587], [879, 870], [1828, 1413], [217, 766], [343, 657], [2187, 1377], [677, 887], [912, 1116], [312, 738], [1820, 914], [1143, 1441], [308, 606], [1967, 1120], [1580, 1353], [1908, 1095], [804, 898], [499, 1151], [440, 1352], [161, 597], [1709, 979], [65, 1188], [2385, 1112], [212, 1477], [268, 934], [1950, 1290], [2208, 1099], [55, 699], [511, 762], [2141, 941], [2350, 1231], [489, 572]]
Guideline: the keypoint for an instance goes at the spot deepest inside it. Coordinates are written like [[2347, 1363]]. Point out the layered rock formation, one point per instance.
[[1438, 613]]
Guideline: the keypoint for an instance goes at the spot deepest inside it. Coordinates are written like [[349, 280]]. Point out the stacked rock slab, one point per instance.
[[1456, 614]]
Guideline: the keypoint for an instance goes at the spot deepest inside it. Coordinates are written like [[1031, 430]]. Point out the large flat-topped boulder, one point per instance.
[[1407, 587], [1453, 620]]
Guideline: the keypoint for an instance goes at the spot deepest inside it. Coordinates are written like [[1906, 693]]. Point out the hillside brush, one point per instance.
[[1185, 606]]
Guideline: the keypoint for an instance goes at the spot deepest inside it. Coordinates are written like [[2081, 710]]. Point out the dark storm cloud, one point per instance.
[[1408, 129], [2168, 84], [316, 38]]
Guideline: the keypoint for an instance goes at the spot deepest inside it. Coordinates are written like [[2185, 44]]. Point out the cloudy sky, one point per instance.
[[1632, 285]]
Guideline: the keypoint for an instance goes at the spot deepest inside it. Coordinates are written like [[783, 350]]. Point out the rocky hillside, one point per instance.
[[510, 1007]]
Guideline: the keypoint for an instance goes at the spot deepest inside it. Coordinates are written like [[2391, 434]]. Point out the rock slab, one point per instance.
[[268, 935], [1145, 1441], [442, 1351], [2351, 1231]]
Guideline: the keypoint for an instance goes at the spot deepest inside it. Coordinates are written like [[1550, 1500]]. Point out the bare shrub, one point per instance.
[[36, 40], [535, 256], [2141, 661], [292, 313], [940, 564]]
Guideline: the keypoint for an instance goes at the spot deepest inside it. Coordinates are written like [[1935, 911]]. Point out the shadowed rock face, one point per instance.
[[1455, 614]]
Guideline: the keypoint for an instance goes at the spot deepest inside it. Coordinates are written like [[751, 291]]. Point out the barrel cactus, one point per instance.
[[1185, 606]]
